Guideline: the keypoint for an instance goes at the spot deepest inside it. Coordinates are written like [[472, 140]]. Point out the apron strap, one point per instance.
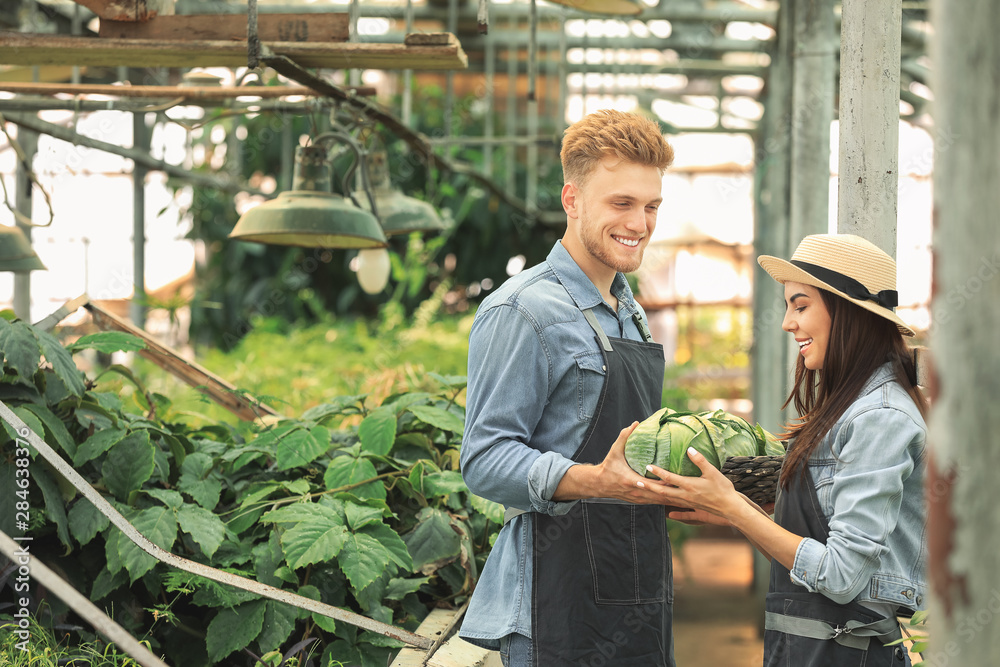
[[853, 634], [592, 320], [511, 512]]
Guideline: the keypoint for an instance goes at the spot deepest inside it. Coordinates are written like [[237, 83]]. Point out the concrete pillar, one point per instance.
[[813, 80], [963, 520], [869, 120]]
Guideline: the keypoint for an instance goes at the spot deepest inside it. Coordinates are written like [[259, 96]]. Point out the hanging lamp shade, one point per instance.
[[309, 215], [398, 213], [16, 253], [613, 7]]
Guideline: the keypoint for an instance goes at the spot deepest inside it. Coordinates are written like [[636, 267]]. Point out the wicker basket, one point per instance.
[[754, 476]]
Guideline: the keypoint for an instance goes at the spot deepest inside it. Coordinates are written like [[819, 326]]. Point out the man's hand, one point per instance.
[[612, 478]]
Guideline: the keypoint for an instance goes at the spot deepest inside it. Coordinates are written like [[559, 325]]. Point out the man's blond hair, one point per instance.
[[628, 136]]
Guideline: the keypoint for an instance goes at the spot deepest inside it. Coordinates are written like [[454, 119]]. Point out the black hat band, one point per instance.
[[887, 298]]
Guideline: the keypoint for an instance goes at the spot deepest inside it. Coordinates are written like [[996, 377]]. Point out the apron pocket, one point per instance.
[[625, 544]]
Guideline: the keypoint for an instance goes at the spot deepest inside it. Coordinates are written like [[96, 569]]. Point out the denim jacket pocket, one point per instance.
[[822, 472], [590, 372]]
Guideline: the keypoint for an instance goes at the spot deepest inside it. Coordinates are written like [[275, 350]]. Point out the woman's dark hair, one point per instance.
[[860, 341]]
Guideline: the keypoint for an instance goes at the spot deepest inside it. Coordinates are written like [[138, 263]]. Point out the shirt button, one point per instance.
[[603, 367]]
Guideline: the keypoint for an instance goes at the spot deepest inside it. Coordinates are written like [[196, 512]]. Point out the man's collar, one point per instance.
[[581, 288]]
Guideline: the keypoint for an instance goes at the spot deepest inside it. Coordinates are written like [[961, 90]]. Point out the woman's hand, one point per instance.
[[712, 496]]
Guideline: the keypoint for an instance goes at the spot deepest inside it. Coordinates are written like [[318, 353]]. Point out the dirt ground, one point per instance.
[[717, 619]]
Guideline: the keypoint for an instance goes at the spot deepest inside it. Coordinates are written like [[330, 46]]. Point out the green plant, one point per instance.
[[357, 504], [44, 649]]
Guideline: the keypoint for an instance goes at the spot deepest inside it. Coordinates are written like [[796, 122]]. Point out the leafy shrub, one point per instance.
[[360, 506]]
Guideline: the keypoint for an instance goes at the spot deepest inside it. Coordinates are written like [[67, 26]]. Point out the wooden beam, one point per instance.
[[128, 10], [329, 27], [168, 92], [208, 383], [29, 49]]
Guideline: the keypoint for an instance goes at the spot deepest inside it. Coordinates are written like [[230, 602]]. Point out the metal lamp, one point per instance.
[[16, 253], [309, 215], [398, 213], [614, 7]]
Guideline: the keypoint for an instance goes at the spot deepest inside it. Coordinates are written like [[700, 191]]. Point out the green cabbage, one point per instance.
[[663, 440]]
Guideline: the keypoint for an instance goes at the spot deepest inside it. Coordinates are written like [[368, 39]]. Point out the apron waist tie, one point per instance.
[[853, 635]]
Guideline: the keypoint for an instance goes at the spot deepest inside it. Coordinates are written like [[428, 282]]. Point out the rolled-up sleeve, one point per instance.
[[876, 458], [510, 378]]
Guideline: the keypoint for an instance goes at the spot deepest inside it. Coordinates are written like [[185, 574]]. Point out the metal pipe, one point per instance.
[[140, 142], [719, 13], [24, 185], [490, 65], [513, 61], [407, 111], [138, 156]]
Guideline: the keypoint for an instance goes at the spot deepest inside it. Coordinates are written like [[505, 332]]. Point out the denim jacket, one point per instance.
[[535, 377], [868, 472]]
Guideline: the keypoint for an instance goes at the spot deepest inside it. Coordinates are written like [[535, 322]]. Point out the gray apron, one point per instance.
[[602, 590], [804, 629]]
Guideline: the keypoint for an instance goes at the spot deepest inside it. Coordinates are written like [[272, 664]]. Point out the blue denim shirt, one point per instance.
[[868, 473], [535, 376]]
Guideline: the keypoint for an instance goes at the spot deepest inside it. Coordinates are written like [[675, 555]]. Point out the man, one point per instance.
[[561, 368]]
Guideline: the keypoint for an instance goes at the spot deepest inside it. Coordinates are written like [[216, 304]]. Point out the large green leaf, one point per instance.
[[30, 420], [198, 481], [168, 497], [438, 417], [347, 470], [317, 537], [62, 362], [279, 621], [400, 588], [302, 447], [359, 516], [392, 542], [97, 444], [377, 431], [158, 525], [443, 483], [108, 342], [339, 405], [203, 526], [432, 541], [267, 558], [492, 510], [55, 506], [128, 464], [86, 521], [233, 629], [105, 582], [54, 427], [20, 348], [363, 559]]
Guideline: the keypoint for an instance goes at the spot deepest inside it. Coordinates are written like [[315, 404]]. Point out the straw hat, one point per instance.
[[847, 265]]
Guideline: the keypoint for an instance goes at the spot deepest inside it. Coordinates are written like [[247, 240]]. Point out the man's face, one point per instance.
[[612, 216]]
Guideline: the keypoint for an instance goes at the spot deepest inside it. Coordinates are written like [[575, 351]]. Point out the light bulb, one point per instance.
[[373, 269]]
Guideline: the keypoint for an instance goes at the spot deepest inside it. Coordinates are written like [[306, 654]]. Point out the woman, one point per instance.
[[846, 544]]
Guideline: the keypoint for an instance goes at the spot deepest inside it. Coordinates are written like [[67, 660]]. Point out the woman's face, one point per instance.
[[808, 320]]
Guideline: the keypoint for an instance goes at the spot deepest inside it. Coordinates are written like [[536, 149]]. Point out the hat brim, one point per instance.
[[784, 271]]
